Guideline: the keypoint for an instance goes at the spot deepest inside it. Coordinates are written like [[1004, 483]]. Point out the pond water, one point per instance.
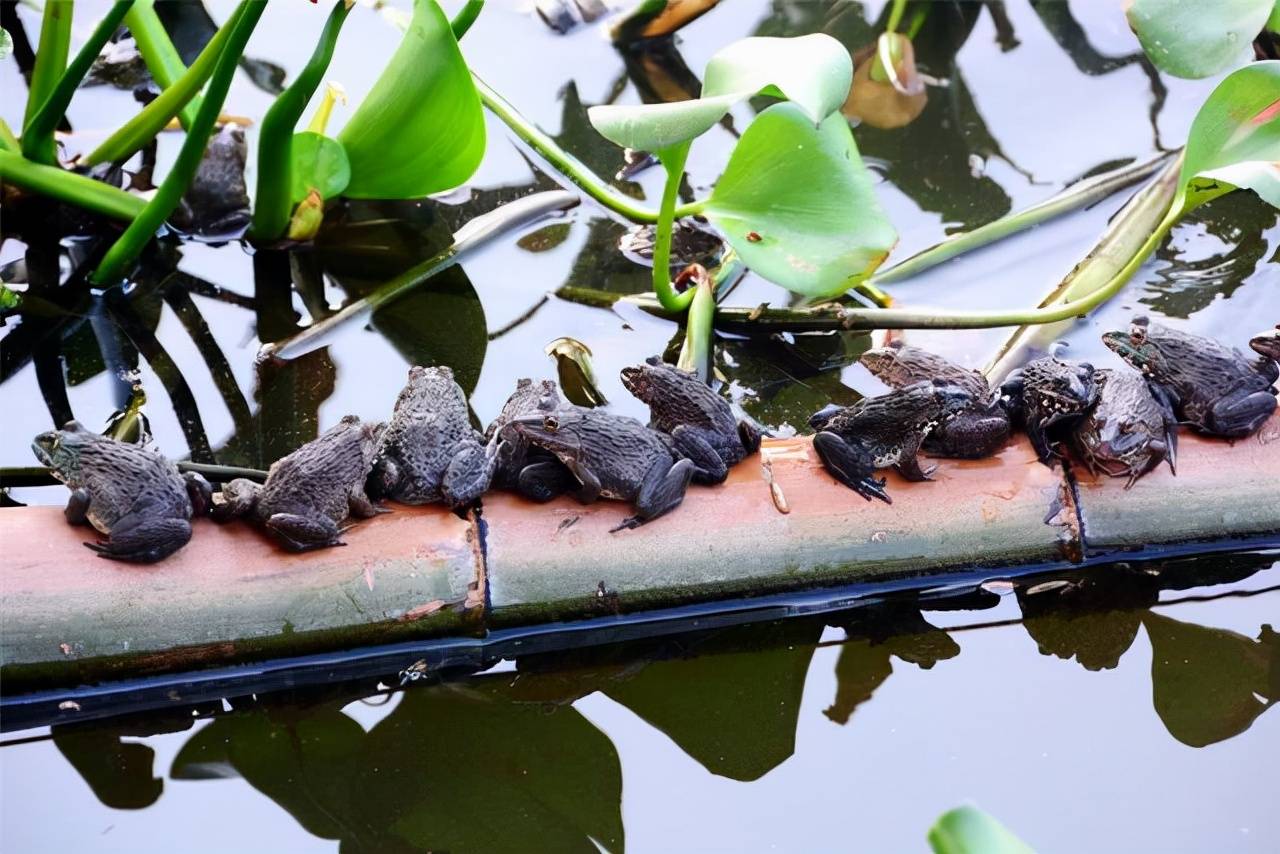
[[743, 740]]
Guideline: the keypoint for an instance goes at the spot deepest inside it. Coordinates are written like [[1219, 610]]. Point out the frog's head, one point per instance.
[[559, 432], [881, 360], [654, 381], [61, 450], [1140, 348], [1061, 386], [1267, 344]]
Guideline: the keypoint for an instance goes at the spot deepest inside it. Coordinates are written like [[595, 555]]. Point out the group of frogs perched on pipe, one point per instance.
[[1120, 423]]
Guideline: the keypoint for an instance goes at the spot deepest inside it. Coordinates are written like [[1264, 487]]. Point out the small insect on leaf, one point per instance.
[[754, 236]]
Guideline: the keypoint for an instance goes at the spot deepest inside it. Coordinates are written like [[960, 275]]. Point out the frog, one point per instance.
[[978, 431], [1129, 430], [533, 472], [131, 493], [1049, 394], [310, 493], [887, 430], [612, 456], [1267, 346], [216, 203], [429, 452], [1215, 389], [700, 422]]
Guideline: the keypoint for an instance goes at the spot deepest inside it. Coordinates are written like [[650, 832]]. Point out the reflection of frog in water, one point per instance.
[[217, 202]]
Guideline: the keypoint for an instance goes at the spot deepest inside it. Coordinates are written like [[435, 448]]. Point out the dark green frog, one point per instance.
[[216, 203], [131, 493], [1049, 393], [534, 472], [311, 492], [1129, 430], [878, 432], [699, 421], [977, 431], [612, 456], [1214, 388]]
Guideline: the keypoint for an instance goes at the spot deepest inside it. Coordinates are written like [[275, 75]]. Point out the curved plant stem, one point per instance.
[[475, 233], [695, 355], [465, 18], [1078, 195], [8, 142], [51, 62], [274, 200], [158, 53], [58, 183], [673, 160], [895, 15], [564, 162], [122, 254], [37, 135], [143, 127], [16, 476]]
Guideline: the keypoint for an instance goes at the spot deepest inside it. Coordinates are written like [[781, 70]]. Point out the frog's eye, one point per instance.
[[551, 424]]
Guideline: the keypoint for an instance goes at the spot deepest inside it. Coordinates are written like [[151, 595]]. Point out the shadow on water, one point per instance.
[[432, 773]]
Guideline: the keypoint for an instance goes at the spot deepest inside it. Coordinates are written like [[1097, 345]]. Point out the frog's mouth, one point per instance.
[[43, 447]]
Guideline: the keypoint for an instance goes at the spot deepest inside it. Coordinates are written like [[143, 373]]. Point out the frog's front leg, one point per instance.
[[543, 481], [468, 475], [909, 462], [140, 537], [1237, 416], [1164, 399], [303, 533], [708, 465], [238, 498], [199, 491], [590, 487], [661, 492], [851, 464], [77, 509]]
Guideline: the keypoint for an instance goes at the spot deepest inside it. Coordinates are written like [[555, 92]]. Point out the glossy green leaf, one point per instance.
[[1234, 141], [814, 71], [1273, 23], [319, 163], [6, 44], [969, 830], [797, 204], [420, 129], [1197, 39]]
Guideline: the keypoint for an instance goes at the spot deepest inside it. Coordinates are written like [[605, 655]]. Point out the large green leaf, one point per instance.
[[319, 163], [1235, 139], [1197, 39], [797, 204], [420, 130], [814, 71], [969, 830]]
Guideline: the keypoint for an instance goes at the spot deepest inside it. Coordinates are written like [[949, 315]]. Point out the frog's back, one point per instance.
[[318, 476], [121, 476]]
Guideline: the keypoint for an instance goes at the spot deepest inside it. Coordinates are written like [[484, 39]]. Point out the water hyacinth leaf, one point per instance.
[[1197, 39], [6, 44], [420, 129], [814, 71], [969, 830], [319, 163], [1234, 140], [797, 204]]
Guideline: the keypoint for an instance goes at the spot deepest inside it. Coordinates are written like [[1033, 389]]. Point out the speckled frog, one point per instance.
[[531, 471], [699, 421], [429, 451], [1047, 393], [311, 492], [977, 431], [216, 203], [130, 493], [878, 432], [1129, 431], [1214, 388]]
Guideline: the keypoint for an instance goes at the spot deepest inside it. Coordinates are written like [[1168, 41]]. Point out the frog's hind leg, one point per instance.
[[545, 480], [851, 465], [661, 492], [199, 491], [138, 539], [1164, 399], [1238, 418], [304, 533], [709, 468], [77, 509]]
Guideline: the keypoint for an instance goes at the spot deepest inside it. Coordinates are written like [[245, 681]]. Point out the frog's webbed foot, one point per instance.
[[1040, 442], [909, 462], [468, 475], [661, 492], [851, 465], [200, 493], [359, 505], [708, 465], [749, 436], [138, 539], [77, 509], [1166, 401], [237, 499], [1238, 417], [303, 533], [545, 480]]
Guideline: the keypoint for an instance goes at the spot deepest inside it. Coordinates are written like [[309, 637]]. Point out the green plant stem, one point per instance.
[[159, 54], [8, 142], [58, 183], [19, 476], [274, 200], [465, 18], [673, 160], [565, 163], [144, 126], [124, 252], [37, 135], [51, 62], [695, 355], [895, 15], [1078, 195]]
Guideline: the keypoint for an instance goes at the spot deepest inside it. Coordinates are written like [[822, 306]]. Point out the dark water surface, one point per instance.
[[1129, 729]]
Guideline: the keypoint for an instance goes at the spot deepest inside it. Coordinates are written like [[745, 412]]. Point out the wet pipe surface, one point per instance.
[[779, 523]]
